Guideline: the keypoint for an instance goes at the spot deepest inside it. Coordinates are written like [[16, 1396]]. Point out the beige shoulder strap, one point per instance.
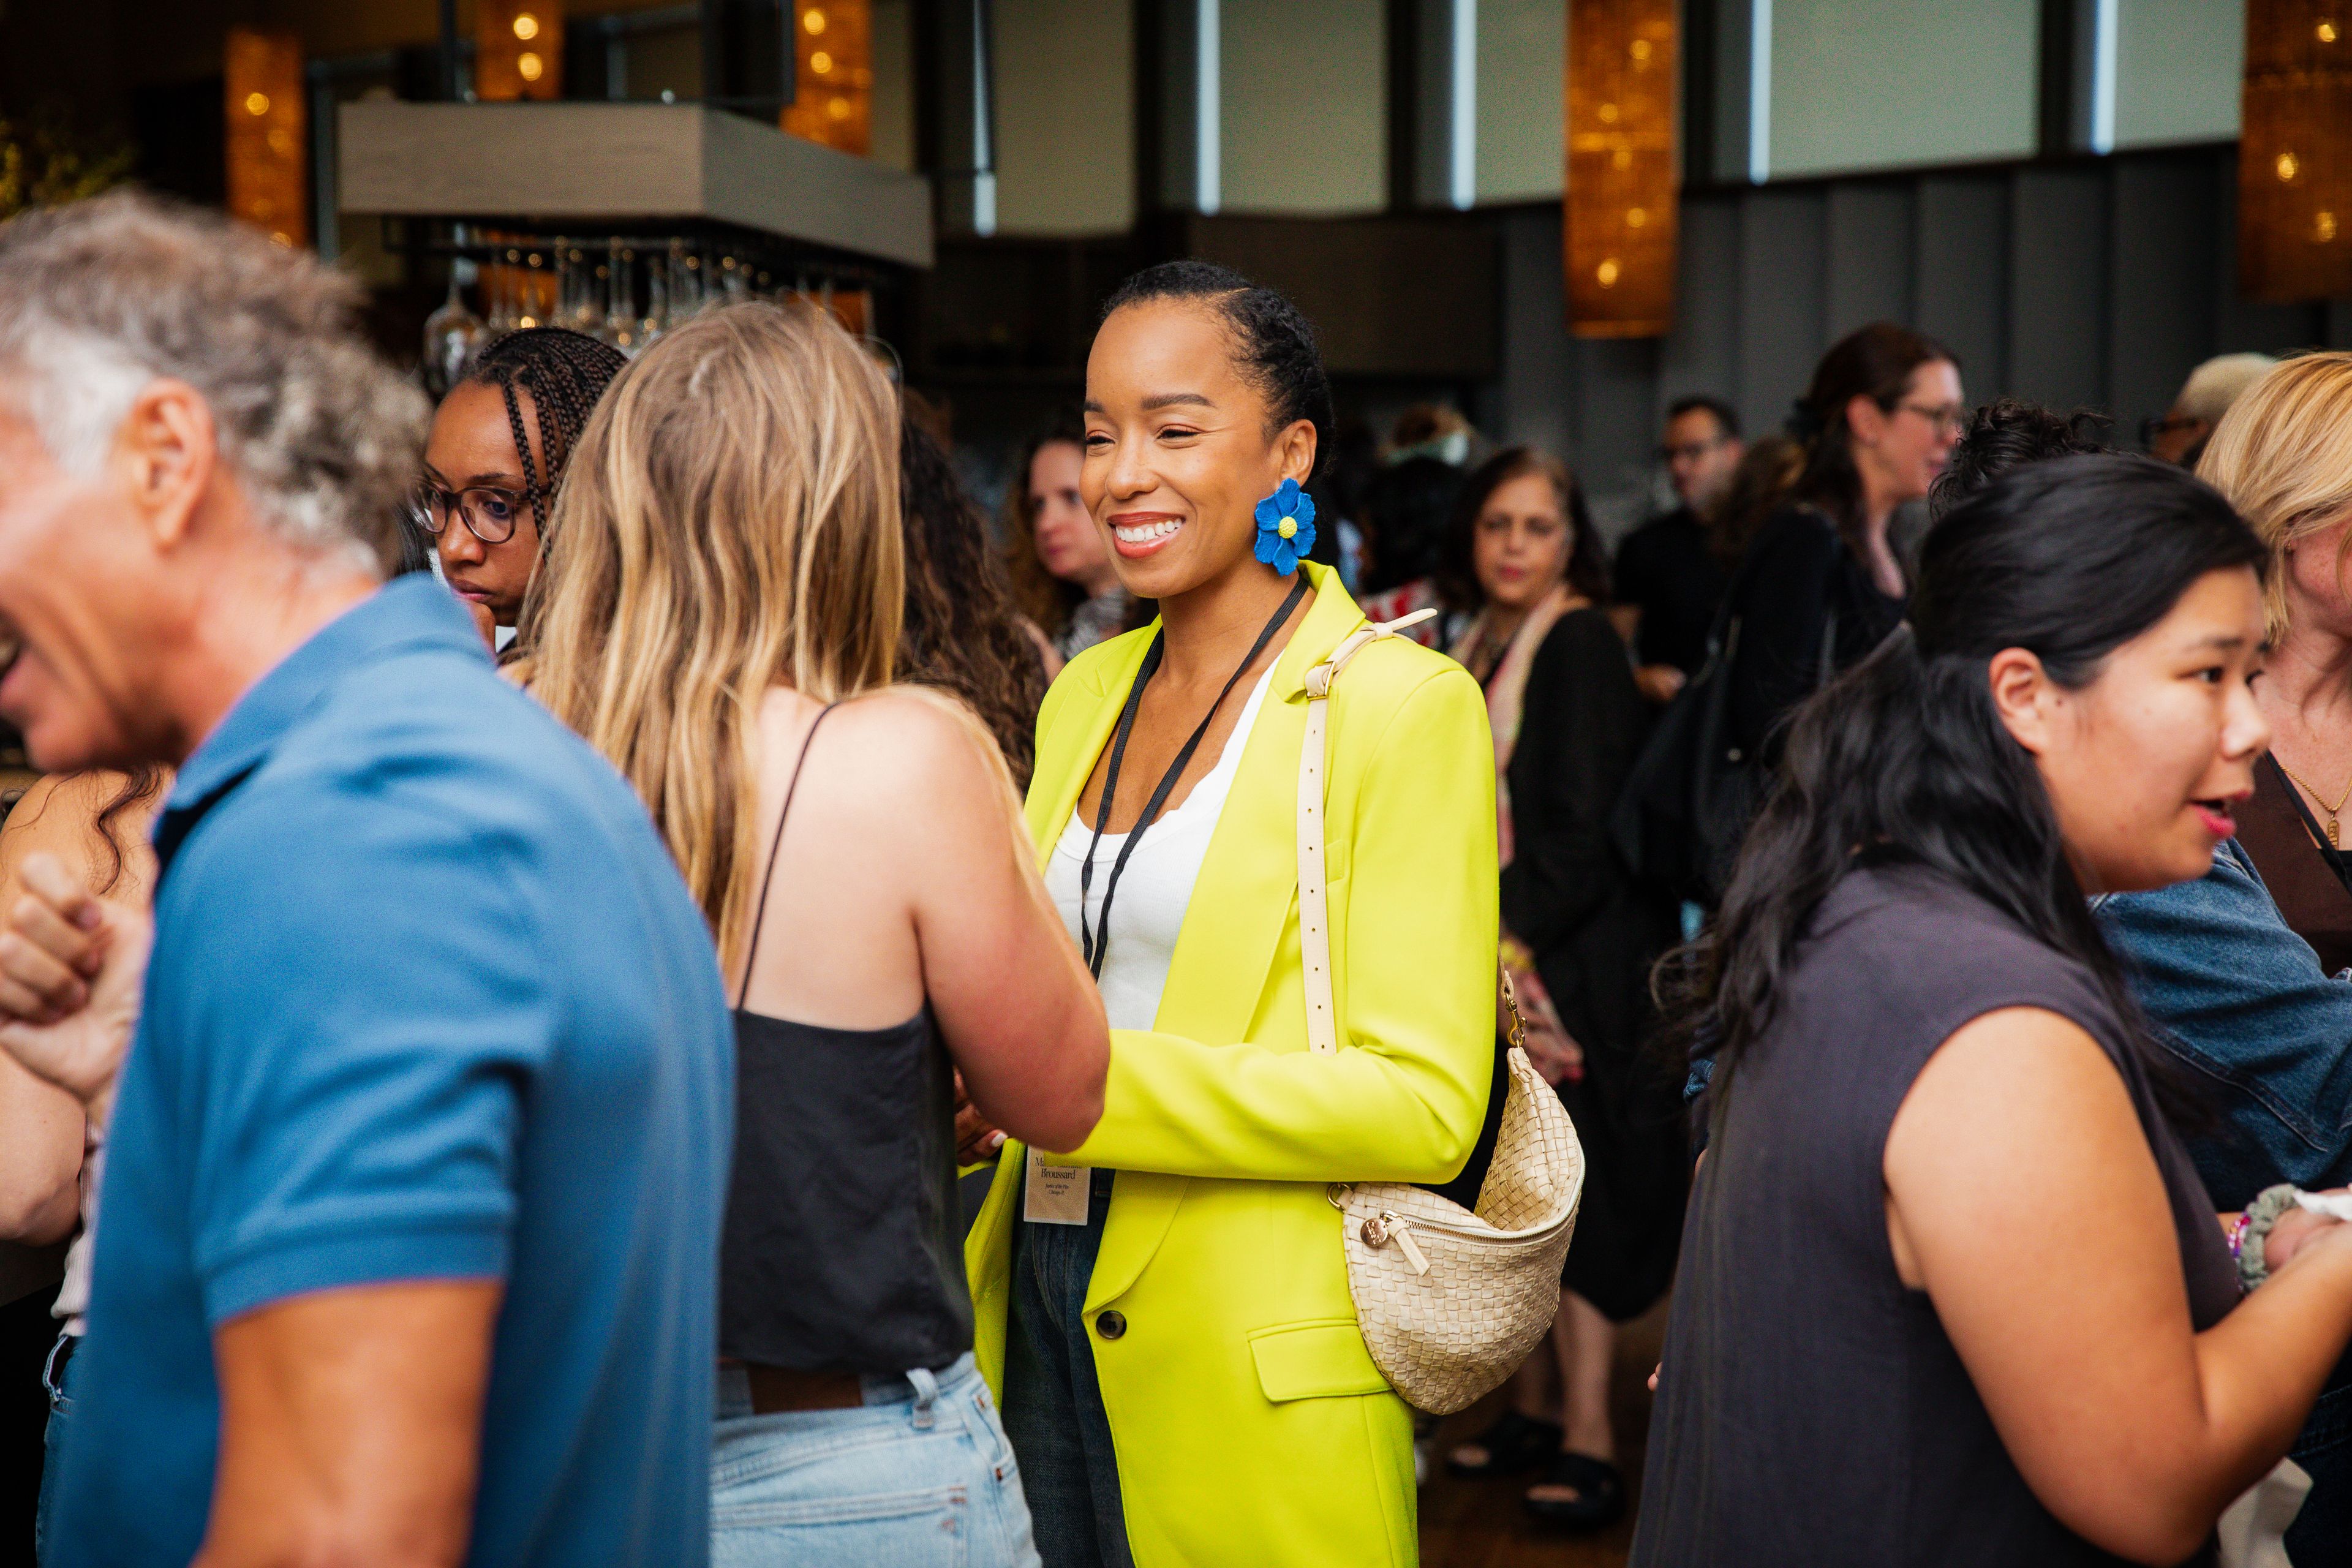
[[1314, 929]]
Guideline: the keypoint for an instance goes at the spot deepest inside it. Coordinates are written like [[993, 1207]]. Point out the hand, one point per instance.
[[72, 970], [2293, 1231], [977, 1142], [1659, 683], [486, 621], [1553, 1052]]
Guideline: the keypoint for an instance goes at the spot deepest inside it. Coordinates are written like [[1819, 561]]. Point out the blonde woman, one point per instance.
[[2282, 454], [718, 618]]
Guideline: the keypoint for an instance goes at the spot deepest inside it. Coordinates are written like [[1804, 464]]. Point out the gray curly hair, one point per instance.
[[101, 297]]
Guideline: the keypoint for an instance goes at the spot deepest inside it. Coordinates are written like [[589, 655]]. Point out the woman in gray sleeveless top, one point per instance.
[[1950, 1290]]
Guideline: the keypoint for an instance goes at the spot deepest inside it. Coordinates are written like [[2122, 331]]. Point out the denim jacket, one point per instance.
[[2241, 1001]]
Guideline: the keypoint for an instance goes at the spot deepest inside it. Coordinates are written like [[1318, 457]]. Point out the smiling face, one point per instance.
[[1178, 450], [2145, 763], [1068, 545], [473, 445], [1520, 544]]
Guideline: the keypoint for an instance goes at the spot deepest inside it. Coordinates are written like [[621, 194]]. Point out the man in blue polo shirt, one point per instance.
[[406, 1247]]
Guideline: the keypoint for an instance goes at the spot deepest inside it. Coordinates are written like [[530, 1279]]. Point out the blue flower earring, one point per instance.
[[1286, 528]]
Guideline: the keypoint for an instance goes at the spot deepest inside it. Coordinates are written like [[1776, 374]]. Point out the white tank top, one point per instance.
[[1156, 888]]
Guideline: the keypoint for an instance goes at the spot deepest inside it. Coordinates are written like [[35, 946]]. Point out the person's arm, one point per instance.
[[350, 1425], [1580, 728], [41, 1125], [357, 1108], [1404, 1097], [2242, 1000], [1014, 1004], [2024, 1198]]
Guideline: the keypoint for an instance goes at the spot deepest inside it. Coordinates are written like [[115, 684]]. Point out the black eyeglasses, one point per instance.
[[1691, 451], [2159, 425], [489, 513]]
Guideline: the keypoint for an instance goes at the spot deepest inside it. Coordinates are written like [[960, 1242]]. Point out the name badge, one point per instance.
[[1055, 1194]]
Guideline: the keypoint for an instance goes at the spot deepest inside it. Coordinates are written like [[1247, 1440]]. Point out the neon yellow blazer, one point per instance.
[[1251, 1426]]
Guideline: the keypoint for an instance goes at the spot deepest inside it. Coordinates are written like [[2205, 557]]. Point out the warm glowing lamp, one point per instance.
[[833, 99], [268, 172], [2294, 152], [517, 50], [1621, 205]]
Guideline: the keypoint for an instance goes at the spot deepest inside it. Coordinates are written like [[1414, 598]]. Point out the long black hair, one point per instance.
[[1904, 757], [959, 630], [566, 372]]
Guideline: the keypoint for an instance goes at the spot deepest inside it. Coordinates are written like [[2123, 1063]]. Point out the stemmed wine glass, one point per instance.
[[453, 334]]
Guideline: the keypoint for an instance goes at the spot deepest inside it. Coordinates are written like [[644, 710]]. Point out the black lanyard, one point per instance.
[[1096, 942]]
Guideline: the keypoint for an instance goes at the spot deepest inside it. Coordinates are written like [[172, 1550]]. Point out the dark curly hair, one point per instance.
[[1274, 342], [566, 372], [960, 632], [2009, 433]]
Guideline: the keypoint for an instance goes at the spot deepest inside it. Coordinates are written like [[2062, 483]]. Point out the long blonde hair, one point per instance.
[[2283, 456], [729, 522]]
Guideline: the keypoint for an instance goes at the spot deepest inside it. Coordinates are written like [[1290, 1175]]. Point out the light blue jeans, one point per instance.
[[923, 1476]]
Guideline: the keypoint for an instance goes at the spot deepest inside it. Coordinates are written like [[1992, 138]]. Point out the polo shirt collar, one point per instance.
[[413, 613]]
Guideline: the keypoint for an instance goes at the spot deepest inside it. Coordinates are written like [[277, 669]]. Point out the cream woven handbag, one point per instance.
[[1449, 1301]]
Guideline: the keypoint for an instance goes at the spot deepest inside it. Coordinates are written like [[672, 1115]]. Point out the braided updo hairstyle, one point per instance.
[[566, 372], [1274, 343]]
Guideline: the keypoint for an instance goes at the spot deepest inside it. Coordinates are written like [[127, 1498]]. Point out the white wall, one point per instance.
[[1304, 121], [2176, 67], [1065, 118], [1864, 84], [1522, 81]]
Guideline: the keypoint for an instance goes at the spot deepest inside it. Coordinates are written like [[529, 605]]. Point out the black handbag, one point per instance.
[[1685, 806]]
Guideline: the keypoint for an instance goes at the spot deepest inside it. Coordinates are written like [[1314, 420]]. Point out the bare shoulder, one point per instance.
[[907, 754]]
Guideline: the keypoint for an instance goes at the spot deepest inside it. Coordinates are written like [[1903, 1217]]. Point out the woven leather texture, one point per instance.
[[1449, 1302], [1446, 1338]]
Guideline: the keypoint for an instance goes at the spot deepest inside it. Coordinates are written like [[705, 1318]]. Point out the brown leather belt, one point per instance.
[[777, 1388]]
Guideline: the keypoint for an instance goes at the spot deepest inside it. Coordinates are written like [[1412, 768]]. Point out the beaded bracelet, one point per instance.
[[2250, 1242]]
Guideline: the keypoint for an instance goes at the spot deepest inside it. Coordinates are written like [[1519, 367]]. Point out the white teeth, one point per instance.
[[1148, 532]]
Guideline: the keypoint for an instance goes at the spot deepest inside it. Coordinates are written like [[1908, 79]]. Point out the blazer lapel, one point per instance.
[[1069, 753], [1249, 880], [1240, 906]]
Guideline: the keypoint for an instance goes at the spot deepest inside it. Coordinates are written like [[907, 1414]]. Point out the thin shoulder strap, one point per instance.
[[759, 915]]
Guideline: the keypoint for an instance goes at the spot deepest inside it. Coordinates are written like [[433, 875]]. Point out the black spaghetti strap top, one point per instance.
[[842, 1249]]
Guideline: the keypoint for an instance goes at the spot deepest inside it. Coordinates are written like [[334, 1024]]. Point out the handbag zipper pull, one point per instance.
[[1389, 1225]]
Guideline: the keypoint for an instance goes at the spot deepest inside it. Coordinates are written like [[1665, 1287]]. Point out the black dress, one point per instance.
[[1595, 932], [1807, 610], [1811, 1412]]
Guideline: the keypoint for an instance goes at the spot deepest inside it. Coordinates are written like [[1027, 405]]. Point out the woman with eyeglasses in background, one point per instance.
[[500, 442], [1821, 586]]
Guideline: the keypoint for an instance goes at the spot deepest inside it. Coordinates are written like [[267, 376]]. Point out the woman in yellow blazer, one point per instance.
[[1179, 1357]]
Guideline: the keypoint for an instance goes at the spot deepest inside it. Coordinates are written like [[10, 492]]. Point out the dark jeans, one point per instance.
[[2321, 1536], [1052, 1405], [56, 1380]]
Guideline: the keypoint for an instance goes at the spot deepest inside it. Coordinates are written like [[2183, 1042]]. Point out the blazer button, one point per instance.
[[1110, 1325]]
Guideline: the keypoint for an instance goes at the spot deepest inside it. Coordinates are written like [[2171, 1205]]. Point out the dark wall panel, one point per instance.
[[1783, 289], [1701, 355], [2058, 285], [1870, 275], [2161, 305], [1961, 286], [1539, 379]]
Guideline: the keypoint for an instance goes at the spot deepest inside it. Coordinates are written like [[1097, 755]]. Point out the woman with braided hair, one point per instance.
[[499, 444]]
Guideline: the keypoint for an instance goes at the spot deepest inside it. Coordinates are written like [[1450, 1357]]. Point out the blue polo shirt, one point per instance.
[[427, 1001]]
